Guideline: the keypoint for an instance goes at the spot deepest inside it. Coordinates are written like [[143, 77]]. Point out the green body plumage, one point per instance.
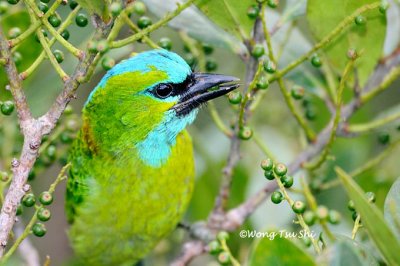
[[132, 163]]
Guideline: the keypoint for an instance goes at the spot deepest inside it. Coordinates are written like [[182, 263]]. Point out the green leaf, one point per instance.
[[372, 219], [230, 15], [392, 208], [99, 7], [279, 251], [368, 39]]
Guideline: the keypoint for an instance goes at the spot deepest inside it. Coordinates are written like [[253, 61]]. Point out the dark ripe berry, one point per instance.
[[72, 4], [354, 216], [211, 64], [14, 32], [334, 217], [222, 236], [214, 247], [383, 138], [102, 46], [370, 196], [46, 198], [107, 63], [245, 133], [258, 51], [309, 217], [115, 9], [92, 46], [43, 7], [7, 107], [383, 7], [287, 181], [139, 8], [43, 214], [280, 169], [81, 20], [267, 164], [13, 2], [351, 206], [253, 12], [322, 212], [143, 22], [299, 207], [45, 1], [28, 200], [65, 34], [59, 55], [276, 197], [272, 3], [44, 35], [54, 20], [262, 83], [311, 114], [269, 67], [51, 152], [20, 209], [360, 20], [207, 48], [269, 175], [165, 43], [235, 97], [297, 92], [224, 258], [39, 230], [316, 61]]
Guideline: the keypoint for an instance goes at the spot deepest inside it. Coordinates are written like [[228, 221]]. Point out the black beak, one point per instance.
[[199, 92]]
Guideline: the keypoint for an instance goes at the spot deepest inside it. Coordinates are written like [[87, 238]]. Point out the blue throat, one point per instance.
[[155, 149]]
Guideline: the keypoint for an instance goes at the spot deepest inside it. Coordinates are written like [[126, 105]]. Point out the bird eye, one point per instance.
[[164, 90]]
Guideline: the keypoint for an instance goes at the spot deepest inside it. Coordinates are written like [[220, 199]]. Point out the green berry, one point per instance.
[[269, 67], [316, 61], [272, 3], [214, 247], [39, 230], [65, 34], [143, 22], [7, 107], [59, 55], [17, 58], [309, 217], [65, 138], [92, 46], [383, 7], [235, 97], [139, 8], [44, 35], [307, 241], [299, 207], [102, 46], [51, 152], [276, 197], [115, 9], [14, 32], [43, 7], [72, 4], [269, 175], [207, 48], [81, 20], [43, 214], [211, 64], [222, 236], [280, 169], [28, 200], [258, 51], [3, 7], [262, 83], [322, 212], [19, 210], [13, 2], [224, 258], [360, 20], [245, 133], [253, 12], [370, 196], [287, 181], [384, 138], [297, 92], [54, 20], [46, 198], [107, 63], [350, 205], [310, 114], [334, 217], [267, 164], [165, 43]]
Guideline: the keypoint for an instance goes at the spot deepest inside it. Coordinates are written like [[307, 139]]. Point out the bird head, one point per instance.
[[144, 102]]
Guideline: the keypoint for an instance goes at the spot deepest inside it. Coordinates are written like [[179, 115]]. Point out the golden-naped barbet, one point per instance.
[[132, 169]]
